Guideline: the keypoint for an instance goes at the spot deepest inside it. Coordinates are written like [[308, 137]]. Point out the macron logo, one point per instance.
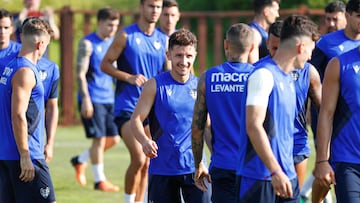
[[356, 69]]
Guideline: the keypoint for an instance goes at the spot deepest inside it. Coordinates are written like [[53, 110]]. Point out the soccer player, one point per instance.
[[7, 46], [307, 85], [169, 147], [221, 98], [23, 169], [96, 100], [266, 171], [169, 17], [338, 132], [140, 52], [266, 12], [335, 16]]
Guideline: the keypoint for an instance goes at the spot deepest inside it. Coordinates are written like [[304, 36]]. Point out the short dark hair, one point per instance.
[[259, 5], [107, 13], [182, 37], [170, 3], [353, 6], [299, 25], [335, 6], [275, 28], [240, 37], [5, 14], [36, 26]]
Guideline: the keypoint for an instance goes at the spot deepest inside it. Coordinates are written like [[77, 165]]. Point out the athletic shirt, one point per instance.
[[34, 113], [263, 50], [225, 100], [100, 84], [302, 85], [11, 50], [346, 127], [331, 45], [49, 74], [279, 125], [170, 124], [143, 54]]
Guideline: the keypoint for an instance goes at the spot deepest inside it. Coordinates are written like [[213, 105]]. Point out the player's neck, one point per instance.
[[4, 45], [146, 27]]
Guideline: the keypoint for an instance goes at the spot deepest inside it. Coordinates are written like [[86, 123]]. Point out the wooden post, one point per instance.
[[66, 70]]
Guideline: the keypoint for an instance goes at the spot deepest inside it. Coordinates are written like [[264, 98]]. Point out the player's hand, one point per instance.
[[282, 185], [27, 169], [150, 148], [87, 109], [49, 150], [324, 174], [137, 80], [202, 175]]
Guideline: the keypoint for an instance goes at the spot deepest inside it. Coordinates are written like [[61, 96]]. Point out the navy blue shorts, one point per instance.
[[12, 189], [347, 178], [102, 123], [300, 158], [259, 191], [165, 189], [223, 184], [125, 116]]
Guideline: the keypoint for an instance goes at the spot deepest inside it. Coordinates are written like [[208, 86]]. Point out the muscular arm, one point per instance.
[[330, 93], [22, 84], [114, 51], [141, 111], [51, 122], [82, 67], [199, 122], [315, 87]]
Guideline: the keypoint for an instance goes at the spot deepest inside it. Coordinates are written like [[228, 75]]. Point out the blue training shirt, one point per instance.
[[143, 54], [278, 124], [100, 84], [346, 127], [34, 114], [302, 85], [263, 50], [225, 100], [170, 124], [50, 76]]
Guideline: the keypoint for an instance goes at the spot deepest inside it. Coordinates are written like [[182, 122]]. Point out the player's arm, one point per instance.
[[315, 86], [22, 84], [199, 122], [260, 84], [198, 128], [141, 112], [82, 66], [330, 92], [51, 122], [112, 54]]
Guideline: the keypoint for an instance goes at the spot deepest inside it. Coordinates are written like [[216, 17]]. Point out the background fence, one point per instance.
[[209, 26]]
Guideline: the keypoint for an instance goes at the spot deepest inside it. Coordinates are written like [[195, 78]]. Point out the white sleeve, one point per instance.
[[260, 84]]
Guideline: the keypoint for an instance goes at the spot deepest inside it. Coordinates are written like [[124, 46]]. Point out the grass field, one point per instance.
[[71, 141]]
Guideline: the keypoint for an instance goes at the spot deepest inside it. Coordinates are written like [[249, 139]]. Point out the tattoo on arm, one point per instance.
[[199, 122]]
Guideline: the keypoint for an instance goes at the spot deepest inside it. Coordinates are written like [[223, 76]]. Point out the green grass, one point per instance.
[[71, 141]]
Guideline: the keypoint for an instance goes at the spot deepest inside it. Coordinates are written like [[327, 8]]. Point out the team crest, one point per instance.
[[43, 75], [356, 69], [157, 45], [295, 75], [193, 93], [44, 192]]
